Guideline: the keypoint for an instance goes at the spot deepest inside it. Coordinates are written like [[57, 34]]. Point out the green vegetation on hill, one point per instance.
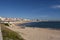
[[10, 35], [6, 24]]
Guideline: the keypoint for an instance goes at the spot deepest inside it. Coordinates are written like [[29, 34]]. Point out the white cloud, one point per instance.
[[56, 6]]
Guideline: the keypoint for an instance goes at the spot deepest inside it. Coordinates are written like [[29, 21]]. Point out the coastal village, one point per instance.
[[20, 19], [14, 19]]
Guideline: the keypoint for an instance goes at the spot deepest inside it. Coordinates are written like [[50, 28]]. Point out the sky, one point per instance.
[[32, 9]]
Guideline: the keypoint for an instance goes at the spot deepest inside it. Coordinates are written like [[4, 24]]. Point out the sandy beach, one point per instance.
[[29, 33]]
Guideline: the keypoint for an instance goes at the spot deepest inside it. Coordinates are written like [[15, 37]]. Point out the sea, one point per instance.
[[50, 24]]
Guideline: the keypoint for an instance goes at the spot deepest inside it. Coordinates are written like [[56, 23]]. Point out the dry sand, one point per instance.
[[29, 33]]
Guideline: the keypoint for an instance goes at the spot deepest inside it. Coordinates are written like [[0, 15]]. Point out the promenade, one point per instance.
[[1, 38]]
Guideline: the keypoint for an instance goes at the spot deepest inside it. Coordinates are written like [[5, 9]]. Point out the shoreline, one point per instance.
[[18, 24], [54, 26]]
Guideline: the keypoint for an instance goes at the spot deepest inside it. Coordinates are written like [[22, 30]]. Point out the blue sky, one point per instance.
[[38, 9]]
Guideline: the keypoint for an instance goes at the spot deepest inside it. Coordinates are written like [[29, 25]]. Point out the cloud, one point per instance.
[[56, 6]]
